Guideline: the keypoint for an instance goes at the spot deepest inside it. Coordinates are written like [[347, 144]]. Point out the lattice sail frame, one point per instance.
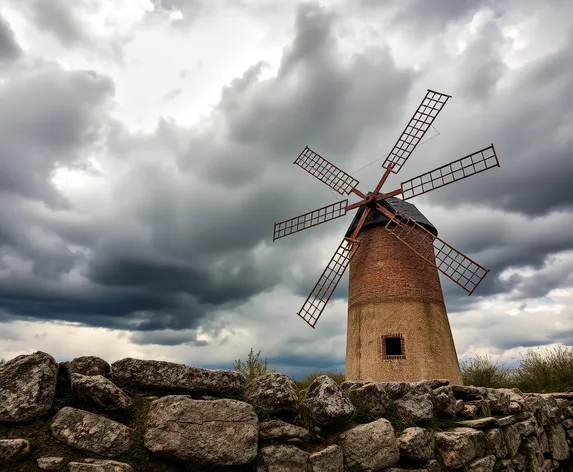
[[310, 219], [416, 128], [472, 164], [326, 172], [449, 261], [324, 288]]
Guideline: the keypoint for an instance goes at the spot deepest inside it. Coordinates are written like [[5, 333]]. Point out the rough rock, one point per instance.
[[210, 432], [101, 391], [468, 392], [283, 459], [431, 384], [90, 432], [370, 446], [504, 421], [87, 365], [178, 378], [459, 446], [12, 450], [416, 444], [327, 402], [558, 442], [475, 408], [415, 407], [329, 459], [526, 427], [479, 423], [483, 464], [499, 401], [512, 439], [505, 465], [371, 395], [99, 465], [444, 401], [27, 387], [496, 443], [280, 430], [273, 393], [49, 463]]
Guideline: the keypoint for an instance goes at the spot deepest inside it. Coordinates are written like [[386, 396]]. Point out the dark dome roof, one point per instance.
[[393, 204]]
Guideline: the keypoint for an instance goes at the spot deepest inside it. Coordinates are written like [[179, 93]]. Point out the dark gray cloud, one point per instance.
[[9, 48]]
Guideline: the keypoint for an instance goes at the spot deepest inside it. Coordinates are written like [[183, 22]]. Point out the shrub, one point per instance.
[[253, 367], [548, 372], [481, 371]]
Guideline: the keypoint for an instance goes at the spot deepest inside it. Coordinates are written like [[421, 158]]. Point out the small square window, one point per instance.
[[393, 347]]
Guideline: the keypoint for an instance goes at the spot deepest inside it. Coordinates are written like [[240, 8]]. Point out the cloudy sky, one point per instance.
[[147, 148]]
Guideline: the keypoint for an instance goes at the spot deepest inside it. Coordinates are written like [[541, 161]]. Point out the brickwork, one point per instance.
[[392, 290]]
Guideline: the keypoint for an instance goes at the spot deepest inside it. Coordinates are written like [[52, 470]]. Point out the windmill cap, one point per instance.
[[393, 204]]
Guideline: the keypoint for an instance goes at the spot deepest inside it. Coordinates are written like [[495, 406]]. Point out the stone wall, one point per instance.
[[137, 415]]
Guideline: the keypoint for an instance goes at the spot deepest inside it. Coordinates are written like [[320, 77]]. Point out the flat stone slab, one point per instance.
[[478, 423]]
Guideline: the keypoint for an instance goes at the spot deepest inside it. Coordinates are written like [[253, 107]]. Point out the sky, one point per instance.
[[147, 149]]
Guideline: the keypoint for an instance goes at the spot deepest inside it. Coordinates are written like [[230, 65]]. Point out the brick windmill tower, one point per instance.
[[398, 329]]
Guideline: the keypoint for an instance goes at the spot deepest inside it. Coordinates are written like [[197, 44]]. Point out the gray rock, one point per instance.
[[370, 395], [283, 459], [483, 464], [101, 391], [558, 442], [459, 446], [415, 407], [431, 384], [99, 465], [469, 393], [329, 459], [280, 430], [90, 432], [504, 421], [49, 463], [273, 393], [445, 402], [496, 443], [12, 450], [416, 444], [87, 365], [209, 432], [27, 387], [505, 465], [177, 377], [433, 465], [512, 439], [370, 446], [327, 402], [479, 423], [499, 401], [526, 427]]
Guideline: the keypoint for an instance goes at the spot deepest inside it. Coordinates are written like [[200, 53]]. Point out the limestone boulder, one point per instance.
[[416, 408], [416, 444], [496, 443], [99, 465], [283, 459], [329, 459], [87, 365], [483, 464], [100, 391], [12, 450], [444, 401], [459, 446], [558, 442], [273, 393], [49, 463], [277, 430], [90, 432], [512, 438], [371, 395], [327, 402], [27, 387], [178, 378], [371, 446], [499, 401], [208, 432]]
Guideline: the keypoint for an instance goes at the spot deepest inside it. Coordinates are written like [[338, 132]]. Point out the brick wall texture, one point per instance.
[[393, 290]]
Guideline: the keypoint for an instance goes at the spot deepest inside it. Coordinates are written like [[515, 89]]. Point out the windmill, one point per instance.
[[397, 323]]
